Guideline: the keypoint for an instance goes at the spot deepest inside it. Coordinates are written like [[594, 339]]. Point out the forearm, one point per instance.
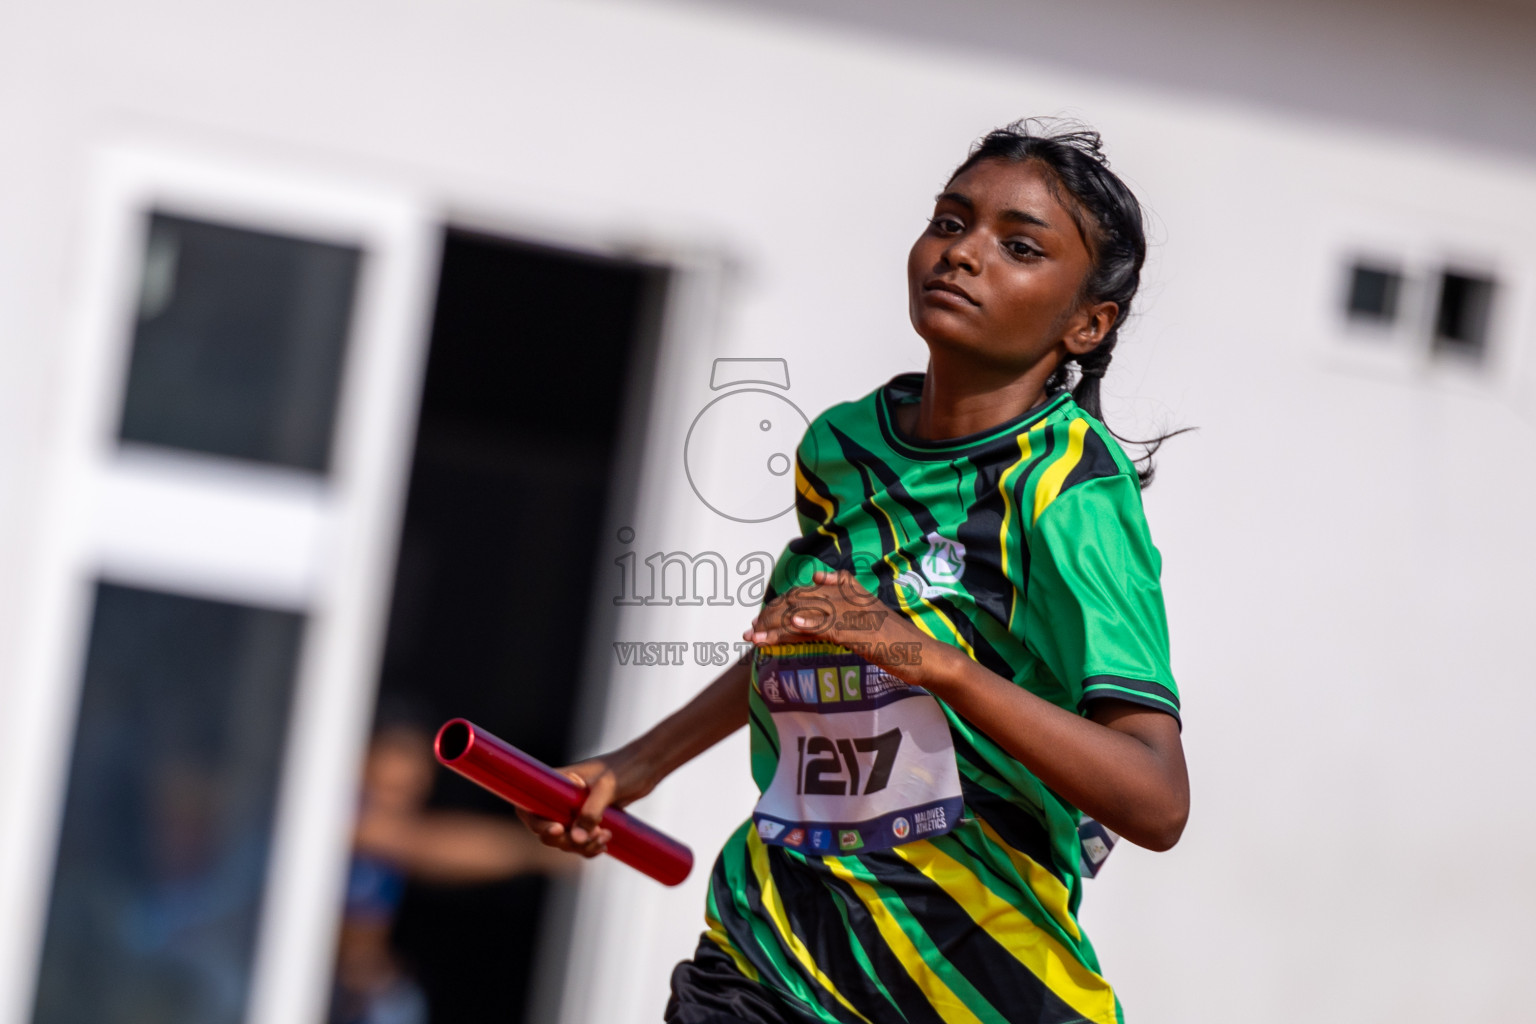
[[449, 846], [1129, 775], [717, 711]]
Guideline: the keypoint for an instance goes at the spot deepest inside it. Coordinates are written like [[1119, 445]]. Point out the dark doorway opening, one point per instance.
[[537, 376]]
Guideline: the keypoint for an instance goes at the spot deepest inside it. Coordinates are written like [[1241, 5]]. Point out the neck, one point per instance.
[[961, 398]]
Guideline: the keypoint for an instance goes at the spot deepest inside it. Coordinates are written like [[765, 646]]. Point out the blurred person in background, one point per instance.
[[398, 839]]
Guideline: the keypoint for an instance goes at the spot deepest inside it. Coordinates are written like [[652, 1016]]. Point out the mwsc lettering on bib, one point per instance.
[[865, 760]]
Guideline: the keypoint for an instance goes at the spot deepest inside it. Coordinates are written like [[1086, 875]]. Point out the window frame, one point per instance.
[[202, 525]]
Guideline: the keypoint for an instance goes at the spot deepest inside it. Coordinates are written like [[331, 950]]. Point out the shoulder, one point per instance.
[[1080, 462], [852, 424]]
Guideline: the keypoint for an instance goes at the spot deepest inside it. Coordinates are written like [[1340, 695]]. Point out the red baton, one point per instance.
[[531, 784]]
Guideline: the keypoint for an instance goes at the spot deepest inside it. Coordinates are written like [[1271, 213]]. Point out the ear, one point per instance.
[[1089, 326]]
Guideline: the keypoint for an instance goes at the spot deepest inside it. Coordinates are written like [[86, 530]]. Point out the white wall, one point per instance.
[[1345, 540]]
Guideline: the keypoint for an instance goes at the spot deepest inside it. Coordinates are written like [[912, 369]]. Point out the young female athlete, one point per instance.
[[962, 662]]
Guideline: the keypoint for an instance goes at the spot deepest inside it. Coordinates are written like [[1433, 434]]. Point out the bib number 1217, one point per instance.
[[831, 768]]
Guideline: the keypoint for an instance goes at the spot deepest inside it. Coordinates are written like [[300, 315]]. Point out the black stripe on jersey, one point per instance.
[[819, 545], [1096, 462], [865, 459], [1152, 695], [815, 921], [835, 550], [910, 998], [986, 654], [1016, 992], [768, 734], [884, 574], [870, 466], [737, 928], [1017, 825], [984, 579]]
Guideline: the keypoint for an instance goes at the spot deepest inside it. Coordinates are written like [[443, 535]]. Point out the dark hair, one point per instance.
[[1110, 220]]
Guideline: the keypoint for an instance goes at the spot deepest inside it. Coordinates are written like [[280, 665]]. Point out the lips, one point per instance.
[[938, 285]]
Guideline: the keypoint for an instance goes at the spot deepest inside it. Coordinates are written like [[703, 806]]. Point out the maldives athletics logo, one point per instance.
[[901, 828]]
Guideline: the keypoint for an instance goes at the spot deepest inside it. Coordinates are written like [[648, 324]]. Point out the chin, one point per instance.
[[944, 332], [942, 337]]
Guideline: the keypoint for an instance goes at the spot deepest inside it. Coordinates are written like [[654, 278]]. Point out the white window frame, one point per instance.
[[1421, 243], [225, 529]]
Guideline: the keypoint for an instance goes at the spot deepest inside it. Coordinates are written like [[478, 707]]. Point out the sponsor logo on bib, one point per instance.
[[865, 761], [850, 674], [806, 678], [933, 820]]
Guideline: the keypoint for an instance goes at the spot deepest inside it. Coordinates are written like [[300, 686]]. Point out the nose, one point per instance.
[[963, 253]]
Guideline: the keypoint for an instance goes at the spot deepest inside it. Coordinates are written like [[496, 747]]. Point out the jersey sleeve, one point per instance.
[[1094, 605]]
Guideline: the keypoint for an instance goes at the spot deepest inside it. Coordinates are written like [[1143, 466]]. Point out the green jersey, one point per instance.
[[1026, 547]]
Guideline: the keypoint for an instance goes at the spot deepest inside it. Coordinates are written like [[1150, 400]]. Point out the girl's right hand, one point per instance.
[[611, 780]]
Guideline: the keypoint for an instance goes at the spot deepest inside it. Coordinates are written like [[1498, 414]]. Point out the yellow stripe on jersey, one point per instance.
[[1053, 896], [774, 906], [1002, 534], [960, 641], [1056, 474], [1060, 970], [939, 995], [885, 557], [716, 934], [901, 598], [804, 487]]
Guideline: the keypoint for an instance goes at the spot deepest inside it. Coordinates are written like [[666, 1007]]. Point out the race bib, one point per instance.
[[865, 760]]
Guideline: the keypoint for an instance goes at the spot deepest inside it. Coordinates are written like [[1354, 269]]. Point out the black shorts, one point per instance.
[[710, 990]]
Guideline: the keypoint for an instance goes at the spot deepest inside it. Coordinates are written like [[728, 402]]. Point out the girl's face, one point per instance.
[[998, 273]]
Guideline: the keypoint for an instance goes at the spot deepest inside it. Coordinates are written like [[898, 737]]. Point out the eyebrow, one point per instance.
[[961, 199]]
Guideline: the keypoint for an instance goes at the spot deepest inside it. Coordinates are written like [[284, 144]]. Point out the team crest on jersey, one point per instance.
[[938, 569]]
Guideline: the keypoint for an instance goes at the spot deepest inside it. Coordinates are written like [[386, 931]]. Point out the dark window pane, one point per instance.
[[168, 819], [1373, 293], [1461, 319], [239, 342]]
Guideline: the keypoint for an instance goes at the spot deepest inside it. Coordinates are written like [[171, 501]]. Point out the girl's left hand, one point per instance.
[[836, 608]]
